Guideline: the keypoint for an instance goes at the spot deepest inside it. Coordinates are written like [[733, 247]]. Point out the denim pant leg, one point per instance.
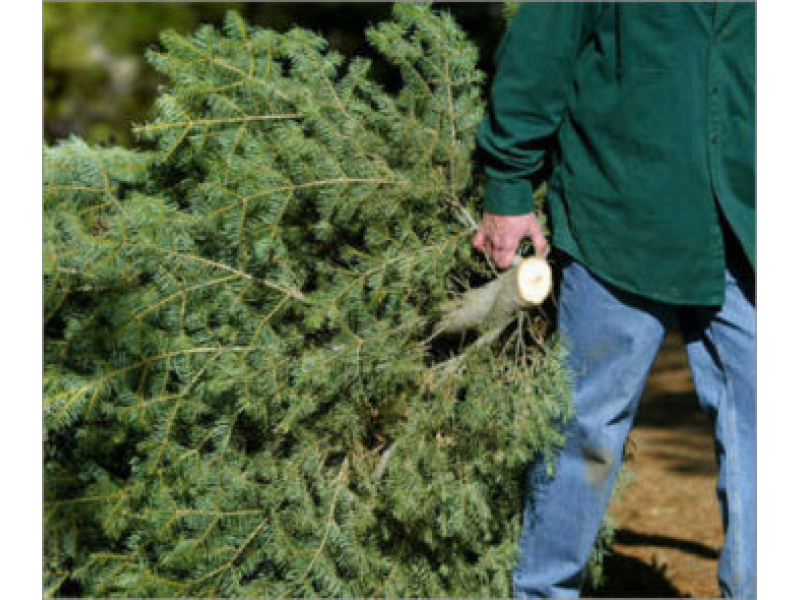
[[721, 346], [613, 338]]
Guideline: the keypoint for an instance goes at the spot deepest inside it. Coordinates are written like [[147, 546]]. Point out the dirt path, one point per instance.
[[669, 529]]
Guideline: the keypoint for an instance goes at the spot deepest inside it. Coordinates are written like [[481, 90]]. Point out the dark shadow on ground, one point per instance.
[[686, 446], [626, 537], [673, 410], [629, 577]]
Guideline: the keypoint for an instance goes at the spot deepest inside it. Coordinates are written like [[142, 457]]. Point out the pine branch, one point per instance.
[[239, 332]]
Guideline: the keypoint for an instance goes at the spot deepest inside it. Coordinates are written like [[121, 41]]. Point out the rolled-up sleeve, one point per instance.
[[534, 66]]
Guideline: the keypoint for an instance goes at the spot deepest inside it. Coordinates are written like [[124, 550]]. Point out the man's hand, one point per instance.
[[499, 236]]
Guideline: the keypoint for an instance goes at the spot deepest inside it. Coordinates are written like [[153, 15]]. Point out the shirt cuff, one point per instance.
[[508, 196]]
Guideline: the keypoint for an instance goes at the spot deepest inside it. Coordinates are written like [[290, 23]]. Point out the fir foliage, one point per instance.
[[509, 10], [243, 392]]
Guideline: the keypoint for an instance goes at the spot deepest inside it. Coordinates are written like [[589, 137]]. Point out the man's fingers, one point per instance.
[[498, 237], [502, 251], [503, 257], [539, 241]]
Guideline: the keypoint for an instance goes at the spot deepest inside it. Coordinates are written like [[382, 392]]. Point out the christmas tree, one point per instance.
[[255, 384]]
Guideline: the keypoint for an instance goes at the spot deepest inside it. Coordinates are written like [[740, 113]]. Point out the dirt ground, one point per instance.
[[669, 528]]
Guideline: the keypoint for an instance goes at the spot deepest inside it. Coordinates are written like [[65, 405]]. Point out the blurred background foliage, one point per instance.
[[96, 81]]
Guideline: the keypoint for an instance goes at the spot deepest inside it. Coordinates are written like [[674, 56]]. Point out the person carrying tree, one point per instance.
[[640, 118]]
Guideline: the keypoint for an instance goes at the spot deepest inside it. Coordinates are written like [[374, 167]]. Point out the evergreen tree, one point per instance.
[[249, 389]]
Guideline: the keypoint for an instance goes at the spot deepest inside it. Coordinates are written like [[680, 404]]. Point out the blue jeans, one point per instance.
[[613, 338]]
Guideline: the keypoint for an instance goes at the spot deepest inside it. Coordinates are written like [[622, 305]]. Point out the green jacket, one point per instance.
[[639, 116]]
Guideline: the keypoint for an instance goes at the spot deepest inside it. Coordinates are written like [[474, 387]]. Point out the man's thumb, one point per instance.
[[478, 239]]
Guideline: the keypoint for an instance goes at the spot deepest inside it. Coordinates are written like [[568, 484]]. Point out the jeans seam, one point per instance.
[[733, 489]]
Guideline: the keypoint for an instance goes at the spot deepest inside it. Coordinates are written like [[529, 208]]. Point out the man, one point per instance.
[[640, 118]]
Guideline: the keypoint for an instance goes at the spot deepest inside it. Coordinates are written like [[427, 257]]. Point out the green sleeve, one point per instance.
[[534, 63]]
